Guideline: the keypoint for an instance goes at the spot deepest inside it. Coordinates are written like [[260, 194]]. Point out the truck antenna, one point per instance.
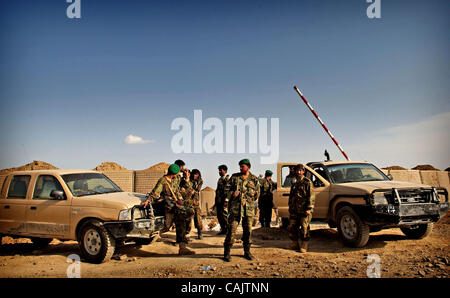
[[321, 122]]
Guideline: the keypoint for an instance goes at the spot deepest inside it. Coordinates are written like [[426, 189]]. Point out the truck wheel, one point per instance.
[[353, 231], [40, 242], [95, 242], [284, 223], [417, 231]]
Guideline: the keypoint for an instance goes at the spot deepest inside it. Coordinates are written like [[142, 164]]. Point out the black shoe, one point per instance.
[[226, 254], [247, 253], [200, 236]]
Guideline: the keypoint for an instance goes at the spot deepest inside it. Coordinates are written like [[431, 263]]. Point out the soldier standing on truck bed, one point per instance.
[[265, 202], [244, 188], [221, 194], [168, 189], [301, 204]]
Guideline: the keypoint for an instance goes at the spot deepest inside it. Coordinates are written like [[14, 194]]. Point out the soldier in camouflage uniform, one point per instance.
[[187, 192], [221, 194], [196, 184], [301, 204], [167, 188], [265, 202], [244, 188]]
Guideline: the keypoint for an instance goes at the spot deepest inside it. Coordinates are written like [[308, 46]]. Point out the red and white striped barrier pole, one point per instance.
[[320, 121]]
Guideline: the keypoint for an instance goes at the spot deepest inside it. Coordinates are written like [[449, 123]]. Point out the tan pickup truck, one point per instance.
[[74, 205], [358, 198]]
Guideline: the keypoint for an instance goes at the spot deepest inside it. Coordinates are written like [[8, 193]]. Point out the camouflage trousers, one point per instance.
[[222, 215], [198, 224], [169, 215], [182, 218], [299, 227], [233, 223]]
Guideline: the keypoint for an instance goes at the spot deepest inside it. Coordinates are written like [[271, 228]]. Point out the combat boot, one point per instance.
[[200, 236], [247, 253], [226, 253], [304, 247], [293, 246], [184, 250]]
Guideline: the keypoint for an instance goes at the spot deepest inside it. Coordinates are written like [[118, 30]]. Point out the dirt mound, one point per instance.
[[109, 166], [394, 168], [162, 166], [208, 189], [35, 165], [425, 168]]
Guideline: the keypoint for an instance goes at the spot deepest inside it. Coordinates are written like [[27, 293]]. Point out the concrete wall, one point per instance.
[[433, 178], [406, 175]]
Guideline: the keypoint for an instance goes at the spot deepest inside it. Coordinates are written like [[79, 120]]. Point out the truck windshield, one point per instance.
[[86, 184], [345, 173]]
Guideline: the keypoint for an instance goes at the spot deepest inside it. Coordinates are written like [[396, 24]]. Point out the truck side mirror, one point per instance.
[[390, 177], [57, 195]]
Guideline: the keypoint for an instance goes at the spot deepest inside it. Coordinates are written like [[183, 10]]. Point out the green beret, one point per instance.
[[174, 169], [244, 162], [269, 173]]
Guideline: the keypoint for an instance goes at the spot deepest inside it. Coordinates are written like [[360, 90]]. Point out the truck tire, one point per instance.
[[40, 242], [96, 244], [353, 231], [418, 231]]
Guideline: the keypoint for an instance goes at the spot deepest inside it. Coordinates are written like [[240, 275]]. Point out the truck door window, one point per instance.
[[18, 187], [315, 181], [321, 171], [287, 174], [45, 184]]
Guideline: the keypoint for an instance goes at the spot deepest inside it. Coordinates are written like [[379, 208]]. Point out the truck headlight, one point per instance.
[[124, 214], [379, 199]]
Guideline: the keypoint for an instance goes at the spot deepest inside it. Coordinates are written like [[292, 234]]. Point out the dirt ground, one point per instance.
[[327, 257]]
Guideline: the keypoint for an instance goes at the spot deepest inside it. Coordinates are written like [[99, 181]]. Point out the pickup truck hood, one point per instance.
[[368, 186], [120, 200]]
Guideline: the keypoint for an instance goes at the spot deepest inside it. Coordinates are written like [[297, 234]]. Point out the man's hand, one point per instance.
[[308, 212], [145, 203], [236, 193]]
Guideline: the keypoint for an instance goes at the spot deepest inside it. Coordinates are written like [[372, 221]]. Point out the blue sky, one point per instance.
[[73, 89]]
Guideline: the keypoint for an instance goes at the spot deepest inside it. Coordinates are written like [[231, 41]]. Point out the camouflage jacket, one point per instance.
[[164, 188], [301, 198], [221, 190], [266, 196], [196, 187], [187, 192], [249, 194]]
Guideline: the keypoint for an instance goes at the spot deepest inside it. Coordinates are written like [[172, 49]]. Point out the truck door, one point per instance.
[[13, 205], [48, 216], [281, 194], [321, 188]]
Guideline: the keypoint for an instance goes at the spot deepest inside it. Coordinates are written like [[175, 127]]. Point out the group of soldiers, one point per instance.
[[237, 199]]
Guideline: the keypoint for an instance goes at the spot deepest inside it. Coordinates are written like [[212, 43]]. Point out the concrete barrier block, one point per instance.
[[406, 175], [207, 200], [430, 177], [444, 180]]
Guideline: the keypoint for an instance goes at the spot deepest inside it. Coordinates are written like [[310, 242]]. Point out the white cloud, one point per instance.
[[423, 142], [131, 139]]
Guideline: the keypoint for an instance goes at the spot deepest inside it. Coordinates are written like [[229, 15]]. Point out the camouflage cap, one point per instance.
[[174, 169], [244, 161]]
